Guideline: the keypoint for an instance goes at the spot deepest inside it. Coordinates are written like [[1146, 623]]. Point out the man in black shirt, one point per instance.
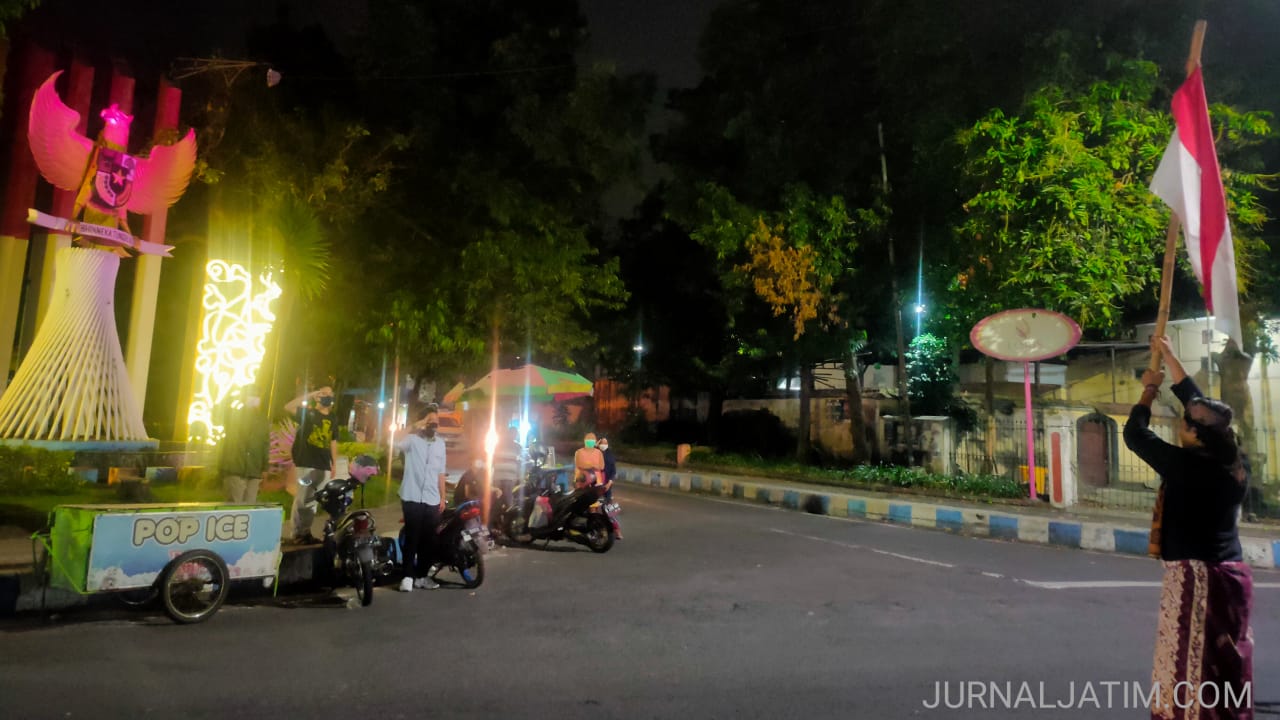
[[1201, 496], [315, 455]]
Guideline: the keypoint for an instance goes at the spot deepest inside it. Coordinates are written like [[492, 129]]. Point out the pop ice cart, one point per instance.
[[186, 554]]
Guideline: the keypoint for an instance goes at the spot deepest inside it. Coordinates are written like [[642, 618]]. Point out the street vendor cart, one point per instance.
[[186, 554]]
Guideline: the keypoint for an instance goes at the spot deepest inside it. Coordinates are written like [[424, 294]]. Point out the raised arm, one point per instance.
[[1183, 386], [292, 406], [1160, 455], [1164, 347]]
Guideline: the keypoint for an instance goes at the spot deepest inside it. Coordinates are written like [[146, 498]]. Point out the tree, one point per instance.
[[668, 275], [11, 10], [1059, 214], [796, 260], [931, 380], [514, 146], [786, 104]]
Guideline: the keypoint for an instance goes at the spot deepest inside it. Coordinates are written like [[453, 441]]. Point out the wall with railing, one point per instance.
[[1083, 451]]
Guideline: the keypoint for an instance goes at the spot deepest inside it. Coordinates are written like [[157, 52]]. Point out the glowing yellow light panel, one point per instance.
[[233, 335]]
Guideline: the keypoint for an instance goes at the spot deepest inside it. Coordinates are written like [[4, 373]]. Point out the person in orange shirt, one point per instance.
[[588, 463]]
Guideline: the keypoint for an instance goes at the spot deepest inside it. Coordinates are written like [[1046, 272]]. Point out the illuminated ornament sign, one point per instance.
[[237, 319]]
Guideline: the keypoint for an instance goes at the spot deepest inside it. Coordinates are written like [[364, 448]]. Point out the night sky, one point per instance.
[[660, 36]]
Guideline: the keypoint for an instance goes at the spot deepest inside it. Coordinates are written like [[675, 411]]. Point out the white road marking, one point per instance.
[[1098, 584], [852, 546], [1086, 584]]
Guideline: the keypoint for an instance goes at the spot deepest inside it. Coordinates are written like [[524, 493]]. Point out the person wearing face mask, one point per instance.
[[242, 454], [588, 463], [610, 471], [315, 455], [422, 498]]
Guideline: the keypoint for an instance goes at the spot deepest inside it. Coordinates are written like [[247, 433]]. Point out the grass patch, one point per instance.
[[870, 477]]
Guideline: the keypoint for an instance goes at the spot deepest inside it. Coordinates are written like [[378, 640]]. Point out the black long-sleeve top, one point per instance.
[[610, 465], [1201, 498]]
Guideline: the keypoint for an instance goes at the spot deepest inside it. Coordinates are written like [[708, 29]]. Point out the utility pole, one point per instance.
[[897, 303]]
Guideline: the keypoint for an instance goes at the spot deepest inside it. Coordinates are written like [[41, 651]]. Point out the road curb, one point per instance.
[[928, 513]]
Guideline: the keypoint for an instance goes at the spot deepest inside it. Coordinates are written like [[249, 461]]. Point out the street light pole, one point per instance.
[[395, 411]]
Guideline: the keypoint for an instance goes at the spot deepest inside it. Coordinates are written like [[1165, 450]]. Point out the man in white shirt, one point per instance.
[[422, 498]]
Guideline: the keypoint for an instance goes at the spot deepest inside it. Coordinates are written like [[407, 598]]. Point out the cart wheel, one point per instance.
[[194, 586]]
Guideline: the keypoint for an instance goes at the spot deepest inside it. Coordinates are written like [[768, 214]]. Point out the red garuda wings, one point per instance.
[[118, 181]]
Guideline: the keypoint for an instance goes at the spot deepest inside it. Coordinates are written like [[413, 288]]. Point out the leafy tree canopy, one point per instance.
[[1059, 213]]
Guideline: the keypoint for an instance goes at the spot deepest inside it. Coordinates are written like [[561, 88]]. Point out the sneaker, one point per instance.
[[426, 583], [406, 585], [307, 539]]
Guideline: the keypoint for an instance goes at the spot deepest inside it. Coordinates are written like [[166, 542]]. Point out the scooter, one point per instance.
[[541, 510], [356, 555]]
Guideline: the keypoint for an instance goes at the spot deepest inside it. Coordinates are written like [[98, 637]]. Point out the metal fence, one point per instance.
[[1107, 474]]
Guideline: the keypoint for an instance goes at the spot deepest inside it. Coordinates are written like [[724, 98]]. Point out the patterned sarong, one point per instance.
[[1204, 648]]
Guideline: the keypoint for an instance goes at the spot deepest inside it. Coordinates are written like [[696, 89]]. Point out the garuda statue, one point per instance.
[[72, 386]]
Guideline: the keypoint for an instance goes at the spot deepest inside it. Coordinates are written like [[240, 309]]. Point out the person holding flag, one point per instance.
[[1203, 635]]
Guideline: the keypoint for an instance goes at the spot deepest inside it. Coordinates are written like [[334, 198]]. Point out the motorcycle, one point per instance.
[[541, 510], [355, 554], [459, 544]]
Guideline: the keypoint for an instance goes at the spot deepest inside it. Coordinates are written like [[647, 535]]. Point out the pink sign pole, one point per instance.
[[1031, 432], [1025, 335]]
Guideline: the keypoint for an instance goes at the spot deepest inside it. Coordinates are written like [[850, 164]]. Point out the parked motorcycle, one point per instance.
[[356, 555], [459, 543], [541, 510]]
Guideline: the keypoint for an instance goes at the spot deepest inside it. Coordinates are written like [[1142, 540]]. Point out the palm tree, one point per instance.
[[303, 253]]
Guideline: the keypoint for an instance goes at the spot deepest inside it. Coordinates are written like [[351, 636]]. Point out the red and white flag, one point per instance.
[[1189, 181]]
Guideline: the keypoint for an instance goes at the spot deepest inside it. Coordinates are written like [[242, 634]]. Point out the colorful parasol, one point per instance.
[[454, 394], [539, 383]]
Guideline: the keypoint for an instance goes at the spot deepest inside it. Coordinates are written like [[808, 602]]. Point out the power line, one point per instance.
[[445, 76]]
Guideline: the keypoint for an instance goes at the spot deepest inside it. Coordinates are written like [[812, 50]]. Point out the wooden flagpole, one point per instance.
[[1166, 293]]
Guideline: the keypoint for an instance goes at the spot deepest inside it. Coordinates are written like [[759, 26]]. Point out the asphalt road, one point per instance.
[[708, 609]]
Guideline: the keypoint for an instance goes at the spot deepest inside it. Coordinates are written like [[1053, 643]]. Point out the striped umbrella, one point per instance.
[[538, 383]]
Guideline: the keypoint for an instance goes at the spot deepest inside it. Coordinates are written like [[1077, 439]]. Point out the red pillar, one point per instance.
[[146, 279], [1055, 462], [121, 90], [36, 64]]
